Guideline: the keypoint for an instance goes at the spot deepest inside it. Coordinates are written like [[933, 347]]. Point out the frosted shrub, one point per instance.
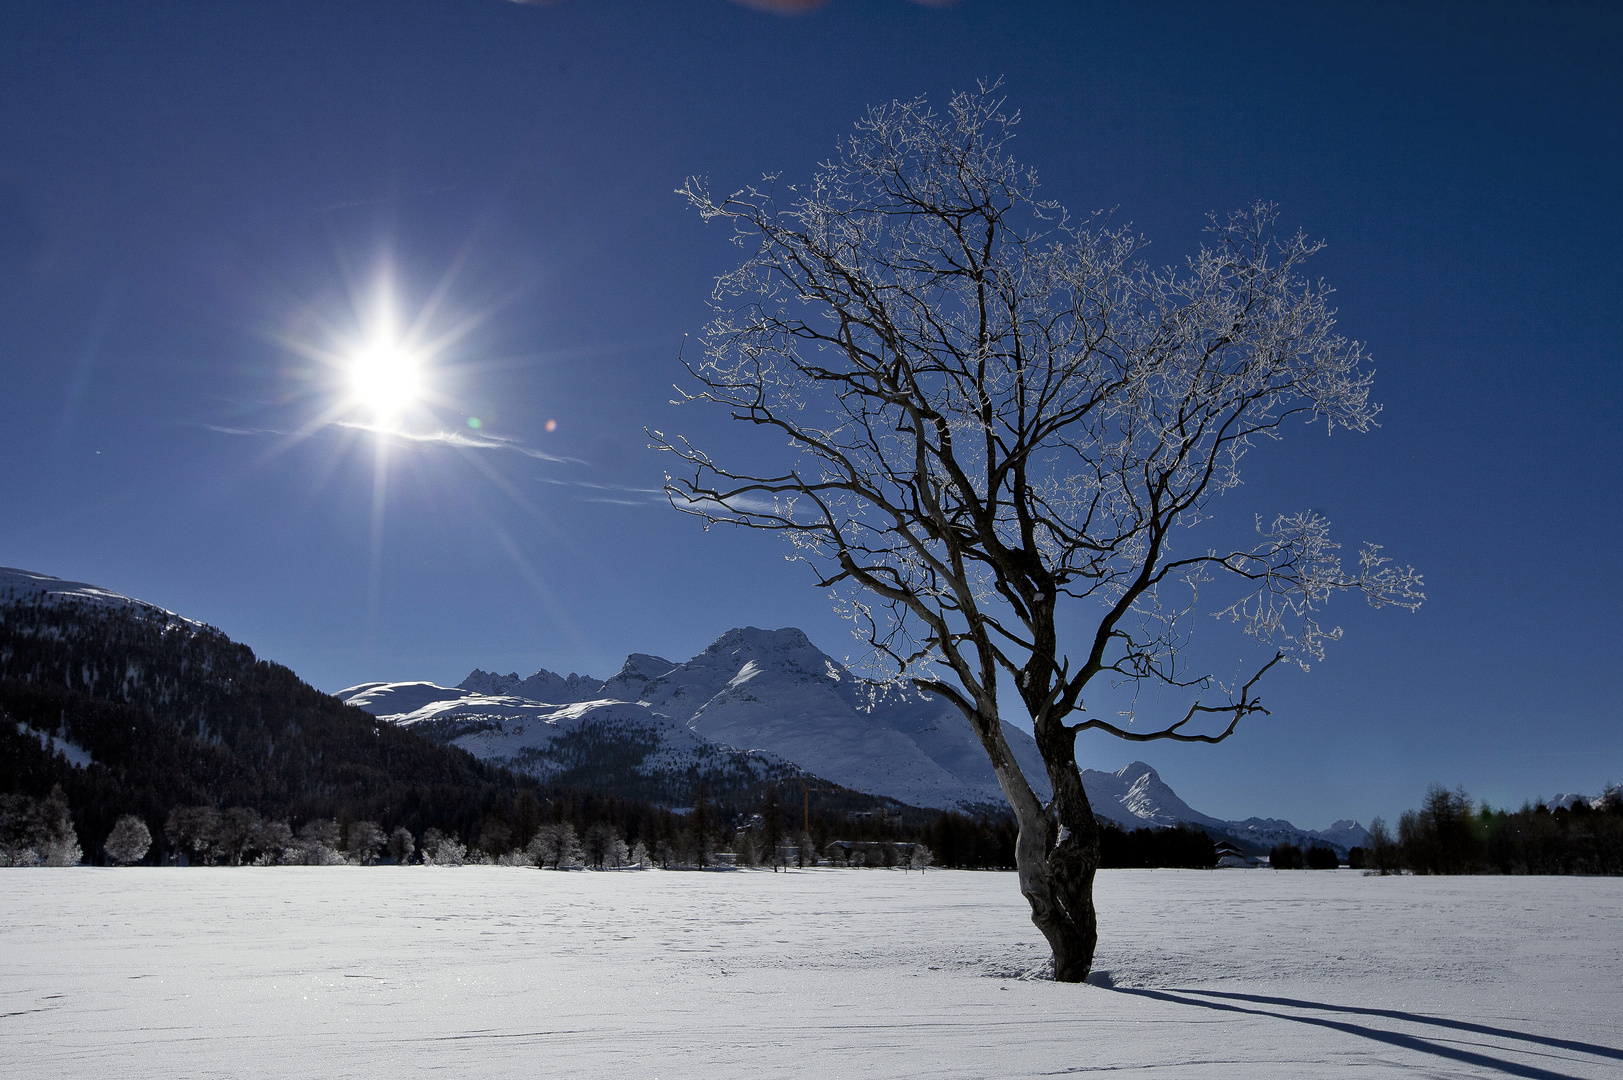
[[442, 850], [317, 844], [129, 841], [749, 851]]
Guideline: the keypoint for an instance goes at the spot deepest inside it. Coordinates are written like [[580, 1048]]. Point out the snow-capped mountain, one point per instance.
[[26, 585], [1570, 799], [755, 705], [622, 746], [773, 700], [770, 696], [1266, 832], [1145, 798]]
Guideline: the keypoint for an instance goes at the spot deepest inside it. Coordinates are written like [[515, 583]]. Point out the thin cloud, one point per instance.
[[604, 499], [242, 431], [612, 494], [604, 487], [441, 437], [461, 439]]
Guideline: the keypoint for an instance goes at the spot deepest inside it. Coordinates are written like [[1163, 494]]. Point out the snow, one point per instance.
[[77, 755], [18, 584], [506, 972], [401, 698]]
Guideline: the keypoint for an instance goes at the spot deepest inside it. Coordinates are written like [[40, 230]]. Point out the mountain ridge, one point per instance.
[[774, 693]]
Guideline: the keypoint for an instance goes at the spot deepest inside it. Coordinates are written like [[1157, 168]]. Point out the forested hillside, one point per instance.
[[161, 712]]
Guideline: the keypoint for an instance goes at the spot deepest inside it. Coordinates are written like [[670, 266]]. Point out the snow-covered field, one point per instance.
[[497, 972]]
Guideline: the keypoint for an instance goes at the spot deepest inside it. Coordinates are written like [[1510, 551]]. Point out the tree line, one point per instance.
[[1449, 834], [562, 829]]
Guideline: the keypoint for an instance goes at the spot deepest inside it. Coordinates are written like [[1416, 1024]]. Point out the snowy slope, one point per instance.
[[1136, 796], [1571, 799], [619, 744], [18, 584], [774, 690]]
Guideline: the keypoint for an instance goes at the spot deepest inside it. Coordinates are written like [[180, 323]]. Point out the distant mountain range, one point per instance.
[[142, 707], [767, 703]]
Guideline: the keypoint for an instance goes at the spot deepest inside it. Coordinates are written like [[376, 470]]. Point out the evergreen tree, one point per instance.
[[1286, 856], [61, 843], [1321, 857]]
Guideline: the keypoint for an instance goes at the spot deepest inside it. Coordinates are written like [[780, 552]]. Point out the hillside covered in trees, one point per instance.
[[132, 710]]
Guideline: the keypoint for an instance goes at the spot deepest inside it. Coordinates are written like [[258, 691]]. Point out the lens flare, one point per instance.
[[385, 378]]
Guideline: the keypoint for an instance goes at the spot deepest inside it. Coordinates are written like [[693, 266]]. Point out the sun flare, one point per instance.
[[385, 378]]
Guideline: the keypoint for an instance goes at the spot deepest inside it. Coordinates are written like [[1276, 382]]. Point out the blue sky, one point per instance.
[[190, 193]]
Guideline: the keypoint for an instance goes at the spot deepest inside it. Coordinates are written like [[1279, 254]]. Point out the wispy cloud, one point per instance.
[[605, 487], [588, 491], [442, 437], [462, 439], [242, 431]]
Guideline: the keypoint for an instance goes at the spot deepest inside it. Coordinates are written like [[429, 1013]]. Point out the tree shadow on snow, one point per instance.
[[1393, 1038]]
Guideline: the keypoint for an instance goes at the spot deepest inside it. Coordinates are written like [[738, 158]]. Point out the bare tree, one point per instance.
[[602, 845], [556, 845], [997, 422]]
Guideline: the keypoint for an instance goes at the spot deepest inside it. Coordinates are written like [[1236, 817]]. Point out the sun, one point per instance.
[[385, 378]]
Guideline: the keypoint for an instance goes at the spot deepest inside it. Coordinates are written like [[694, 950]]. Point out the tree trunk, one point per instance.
[[1057, 849], [1056, 858]]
